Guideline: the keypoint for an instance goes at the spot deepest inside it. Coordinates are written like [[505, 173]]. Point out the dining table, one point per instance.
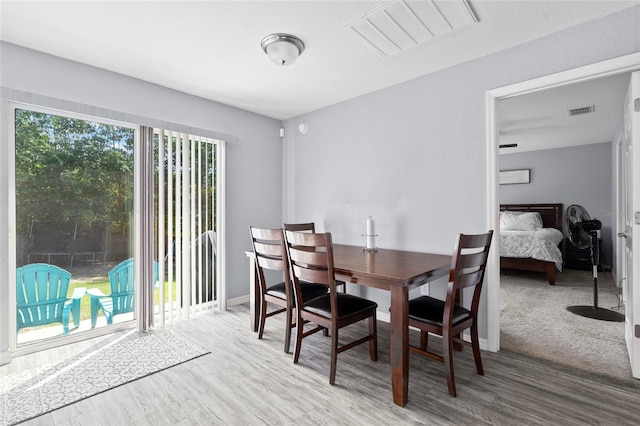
[[396, 271]]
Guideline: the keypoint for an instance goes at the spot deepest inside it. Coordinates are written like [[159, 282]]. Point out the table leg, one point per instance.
[[399, 344], [254, 293]]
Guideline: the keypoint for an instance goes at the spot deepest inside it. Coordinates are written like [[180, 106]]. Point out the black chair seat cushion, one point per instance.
[[431, 311], [348, 305], [309, 290]]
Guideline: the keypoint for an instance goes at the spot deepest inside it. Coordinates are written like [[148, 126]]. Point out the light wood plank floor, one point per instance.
[[246, 381]]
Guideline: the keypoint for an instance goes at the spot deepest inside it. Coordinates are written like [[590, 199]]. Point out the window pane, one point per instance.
[[74, 209]]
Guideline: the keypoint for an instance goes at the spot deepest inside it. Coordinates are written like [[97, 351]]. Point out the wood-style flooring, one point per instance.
[[246, 381]]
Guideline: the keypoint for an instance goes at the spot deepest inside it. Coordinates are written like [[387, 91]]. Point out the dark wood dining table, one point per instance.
[[394, 270]]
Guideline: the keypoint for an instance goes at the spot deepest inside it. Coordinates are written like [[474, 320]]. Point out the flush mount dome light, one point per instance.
[[282, 49]]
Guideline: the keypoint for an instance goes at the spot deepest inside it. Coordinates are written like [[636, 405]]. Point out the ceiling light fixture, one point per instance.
[[282, 49]]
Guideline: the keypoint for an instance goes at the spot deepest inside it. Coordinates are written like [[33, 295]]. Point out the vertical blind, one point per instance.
[[187, 206], [143, 189]]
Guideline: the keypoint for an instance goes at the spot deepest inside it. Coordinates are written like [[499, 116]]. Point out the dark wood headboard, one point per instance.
[[551, 213]]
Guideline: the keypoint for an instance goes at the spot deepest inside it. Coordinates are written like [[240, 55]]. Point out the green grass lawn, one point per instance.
[[103, 286]]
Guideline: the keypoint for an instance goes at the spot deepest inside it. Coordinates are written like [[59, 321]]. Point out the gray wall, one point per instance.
[[580, 175], [254, 165], [414, 156]]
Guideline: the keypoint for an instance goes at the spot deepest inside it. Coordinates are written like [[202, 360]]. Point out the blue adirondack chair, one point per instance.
[[41, 295], [121, 299]]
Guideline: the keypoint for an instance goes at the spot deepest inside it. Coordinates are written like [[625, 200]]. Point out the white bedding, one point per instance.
[[541, 244]]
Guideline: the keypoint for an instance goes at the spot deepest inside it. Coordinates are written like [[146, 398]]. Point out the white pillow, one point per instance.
[[520, 221]]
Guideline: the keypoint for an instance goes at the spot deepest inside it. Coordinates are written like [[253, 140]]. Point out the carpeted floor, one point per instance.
[[103, 366], [534, 321]]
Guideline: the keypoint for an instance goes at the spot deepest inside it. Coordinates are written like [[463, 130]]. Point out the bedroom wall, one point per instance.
[[249, 183], [414, 155], [579, 175]]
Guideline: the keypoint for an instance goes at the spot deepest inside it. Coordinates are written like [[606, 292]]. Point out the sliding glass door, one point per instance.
[[74, 206], [95, 198]]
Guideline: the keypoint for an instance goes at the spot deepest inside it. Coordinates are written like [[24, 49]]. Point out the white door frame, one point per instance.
[[610, 67], [619, 263]]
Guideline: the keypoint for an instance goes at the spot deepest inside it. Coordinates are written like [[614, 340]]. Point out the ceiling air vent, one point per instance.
[[582, 110], [397, 26]]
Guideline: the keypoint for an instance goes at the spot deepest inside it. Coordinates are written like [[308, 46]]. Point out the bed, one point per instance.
[[527, 247]]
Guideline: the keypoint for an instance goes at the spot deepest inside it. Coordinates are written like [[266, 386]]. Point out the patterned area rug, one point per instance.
[[34, 392]]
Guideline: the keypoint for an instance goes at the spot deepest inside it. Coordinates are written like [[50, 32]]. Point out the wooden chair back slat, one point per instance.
[[469, 279], [471, 260], [268, 250], [270, 263], [300, 227], [318, 276], [313, 259]]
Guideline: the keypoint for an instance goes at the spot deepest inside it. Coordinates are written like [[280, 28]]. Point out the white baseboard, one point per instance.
[[383, 316], [5, 357], [238, 300]]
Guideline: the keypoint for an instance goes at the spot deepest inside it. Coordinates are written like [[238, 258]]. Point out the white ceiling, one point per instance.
[[541, 120], [212, 48]]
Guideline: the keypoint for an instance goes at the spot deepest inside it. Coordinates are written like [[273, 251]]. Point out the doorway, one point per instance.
[[591, 72]]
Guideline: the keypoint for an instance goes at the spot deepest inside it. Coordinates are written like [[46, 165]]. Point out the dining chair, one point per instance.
[[311, 259], [448, 318], [268, 246], [310, 227]]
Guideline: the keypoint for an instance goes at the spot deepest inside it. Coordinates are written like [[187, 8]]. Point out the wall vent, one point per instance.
[[582, 110]]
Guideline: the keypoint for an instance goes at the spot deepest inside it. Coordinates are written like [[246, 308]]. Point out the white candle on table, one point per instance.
[[371, 233]]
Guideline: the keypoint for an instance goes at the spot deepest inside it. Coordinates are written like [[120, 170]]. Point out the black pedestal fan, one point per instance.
[[582, 232]]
